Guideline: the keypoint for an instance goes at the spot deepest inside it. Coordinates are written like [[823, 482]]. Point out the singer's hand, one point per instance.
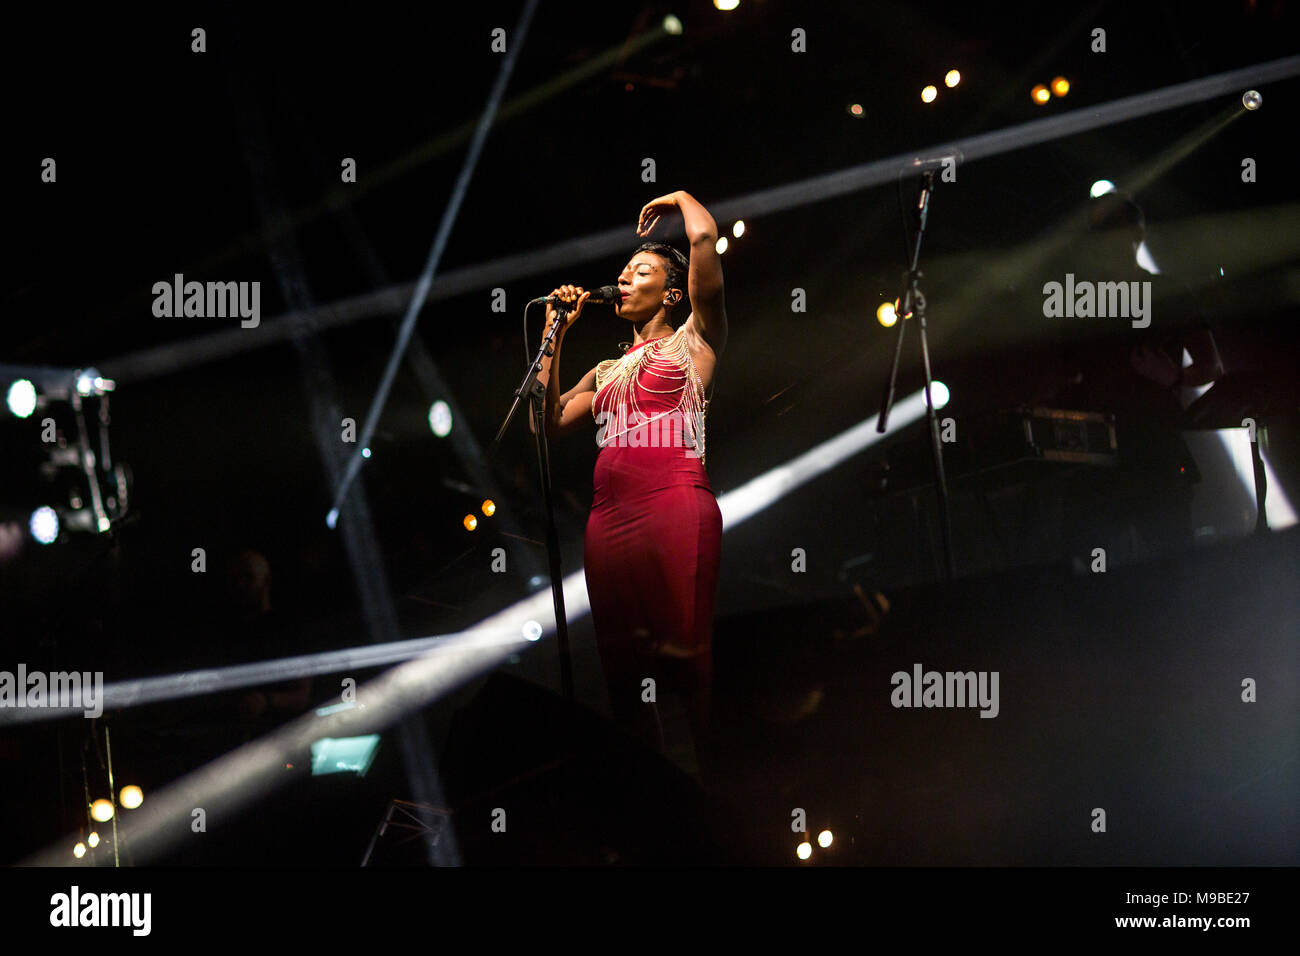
[[651, 212], [574, 299]]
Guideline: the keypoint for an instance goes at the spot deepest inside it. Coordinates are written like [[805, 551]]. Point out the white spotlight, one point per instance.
[[22, 398], [440, 418], [1101, 187], [44, 524], [939, 394], [1252, 100], [672, 25]]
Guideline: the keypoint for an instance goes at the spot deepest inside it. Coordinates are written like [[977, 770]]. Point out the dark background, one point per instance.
[[225, 166]]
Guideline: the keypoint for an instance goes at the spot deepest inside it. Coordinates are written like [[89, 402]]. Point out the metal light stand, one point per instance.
[[912, 302]]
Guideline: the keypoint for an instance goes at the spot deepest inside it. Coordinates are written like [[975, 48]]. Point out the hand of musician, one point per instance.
[[1155, 365], [573, 298], [652, 211]]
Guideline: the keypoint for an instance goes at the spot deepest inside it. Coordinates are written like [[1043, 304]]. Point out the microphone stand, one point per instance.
[[536, 393], [912, 302]]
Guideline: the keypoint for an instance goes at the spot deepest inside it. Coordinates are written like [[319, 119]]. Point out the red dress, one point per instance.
[[653, 540]]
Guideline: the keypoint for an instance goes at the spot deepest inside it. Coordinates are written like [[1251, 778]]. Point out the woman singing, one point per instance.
[[653, 539]]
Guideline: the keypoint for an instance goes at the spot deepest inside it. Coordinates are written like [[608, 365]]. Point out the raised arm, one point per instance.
[[704, 282]]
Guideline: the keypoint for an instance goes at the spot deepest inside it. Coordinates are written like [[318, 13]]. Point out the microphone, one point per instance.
[[605, 295]]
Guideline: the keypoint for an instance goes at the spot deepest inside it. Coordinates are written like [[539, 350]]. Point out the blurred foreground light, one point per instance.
[[101, 810], [804, 851], [951, 79], [532, 631], [738, 228], [928, 94], [471, 522], [440, 418], [1101, 187], [1252, 100], [489, 507], [939, 392], [855, 109], [887, 314], [726, 4], [131, 797], [44, 525], [332, 518], [21, 398], [1040, 94], [672, 25], [93, 839], [824, 838], [721, 245], [79, 850], [1060, 86]]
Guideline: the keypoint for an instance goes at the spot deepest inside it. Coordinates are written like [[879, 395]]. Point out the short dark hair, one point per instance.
[[676, 269]]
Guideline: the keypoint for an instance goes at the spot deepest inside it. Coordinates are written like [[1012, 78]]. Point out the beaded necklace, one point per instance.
[[670, 358]]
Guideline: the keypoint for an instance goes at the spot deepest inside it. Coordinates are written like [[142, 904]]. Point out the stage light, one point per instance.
[[343, 755], [1145, 259], [101, 810], [928, 94], [22, 398], [79, 850], [726, 4], [532, 631], [332, 518], [1040, 94], [489, 507], [440, 418], [1252, 100], [824, 838], [887, 314], [672, 25], [93, 839], [131, 797], [44, 524], [471, 522], [804, 851], [738, 228], [365, 453], [721, 245], [1060, 86], [939, 393], [855, 109], [1101, 187], [951, 79]]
